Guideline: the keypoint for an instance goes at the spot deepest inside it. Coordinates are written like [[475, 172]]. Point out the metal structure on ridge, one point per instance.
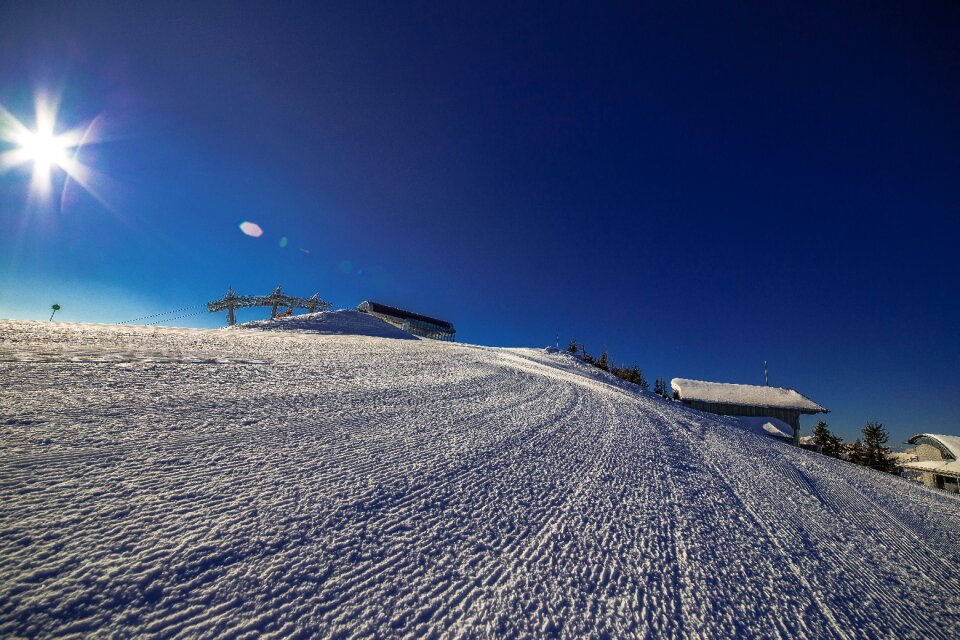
[[231, 302]]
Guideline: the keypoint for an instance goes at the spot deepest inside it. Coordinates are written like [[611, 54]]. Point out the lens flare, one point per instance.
[[251, 229]]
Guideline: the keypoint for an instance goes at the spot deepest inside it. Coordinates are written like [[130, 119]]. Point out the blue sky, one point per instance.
[[697, 188]]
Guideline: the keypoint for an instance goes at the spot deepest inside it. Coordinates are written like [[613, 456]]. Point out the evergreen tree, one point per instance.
[[584, 355], [830, 444], [573, 347], [835, 446], [855, 452], [821, 436], [603, 362], [660, 388], [875, 449], [636, 377]]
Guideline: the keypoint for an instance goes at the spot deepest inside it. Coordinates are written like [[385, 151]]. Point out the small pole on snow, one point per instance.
[[55, 308]]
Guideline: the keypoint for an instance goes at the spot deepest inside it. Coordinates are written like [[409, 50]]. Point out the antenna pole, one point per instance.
[[766, 377]]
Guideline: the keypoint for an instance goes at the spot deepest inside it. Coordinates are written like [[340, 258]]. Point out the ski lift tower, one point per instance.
[[231, 302]]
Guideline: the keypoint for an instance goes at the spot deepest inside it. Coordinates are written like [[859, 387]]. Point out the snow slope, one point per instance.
[[766, 426], [188, 483], [342, 322]]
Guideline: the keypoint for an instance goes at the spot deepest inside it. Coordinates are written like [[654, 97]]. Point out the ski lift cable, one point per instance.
[[164, 313], [186, 315]]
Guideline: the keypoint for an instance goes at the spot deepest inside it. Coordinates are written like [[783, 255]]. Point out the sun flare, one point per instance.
[[45, 148]]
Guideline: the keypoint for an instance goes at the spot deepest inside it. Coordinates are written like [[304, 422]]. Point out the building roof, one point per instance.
[[376, 307], [948, 445], [747, 395]]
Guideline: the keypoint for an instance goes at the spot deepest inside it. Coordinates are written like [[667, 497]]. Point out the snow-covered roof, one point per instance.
[[949, 445], [375, 307], [744, 394]]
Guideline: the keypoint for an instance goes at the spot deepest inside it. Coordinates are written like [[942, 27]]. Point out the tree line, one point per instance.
[[632, 374], [870, 450]]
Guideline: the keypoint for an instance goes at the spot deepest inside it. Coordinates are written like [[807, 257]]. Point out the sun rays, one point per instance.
[[48, 150]]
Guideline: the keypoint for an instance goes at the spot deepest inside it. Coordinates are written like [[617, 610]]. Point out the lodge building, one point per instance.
[[415, 323], [937, 463]]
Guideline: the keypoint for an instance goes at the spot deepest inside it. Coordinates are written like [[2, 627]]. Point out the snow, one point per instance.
[[341, 322], [743, 394], [247, 483], [951, 443], [766, 426], [946, 466]]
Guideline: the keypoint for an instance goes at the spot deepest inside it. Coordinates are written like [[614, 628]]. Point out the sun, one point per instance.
[[45, 148]]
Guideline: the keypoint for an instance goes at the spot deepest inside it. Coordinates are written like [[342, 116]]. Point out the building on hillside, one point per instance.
[[938, 461], [418, 325], [726, 399]]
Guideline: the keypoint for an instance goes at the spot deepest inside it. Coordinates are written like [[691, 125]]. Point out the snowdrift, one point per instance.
[[342, 322], [766, 426], [247, 483]]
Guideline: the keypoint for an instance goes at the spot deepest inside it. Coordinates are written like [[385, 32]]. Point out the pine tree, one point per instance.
[[875, 449], [573, 347], [855, 452], [660, 388], [603, 362], [636, 377], [586, 357], [830, 444], [835, 446], [821, 437]]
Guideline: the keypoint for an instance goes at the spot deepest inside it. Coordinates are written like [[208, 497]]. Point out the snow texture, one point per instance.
[[743, 394], [766, 426], [342, 322], [952, 443], [178, 483]]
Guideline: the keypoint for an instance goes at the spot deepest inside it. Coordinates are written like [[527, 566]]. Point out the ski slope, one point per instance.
[[176, 483]]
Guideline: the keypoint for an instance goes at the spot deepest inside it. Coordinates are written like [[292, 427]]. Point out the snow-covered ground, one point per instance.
[[766, 426], [247, 483]]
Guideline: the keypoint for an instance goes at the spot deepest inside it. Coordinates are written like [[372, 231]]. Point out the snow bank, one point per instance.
[[161, 482], [342, 322], [766, 426]]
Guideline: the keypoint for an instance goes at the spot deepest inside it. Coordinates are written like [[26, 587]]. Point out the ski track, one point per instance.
[[179, 483]]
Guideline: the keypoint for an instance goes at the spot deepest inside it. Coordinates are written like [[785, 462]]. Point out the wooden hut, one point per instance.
[[747, 400]]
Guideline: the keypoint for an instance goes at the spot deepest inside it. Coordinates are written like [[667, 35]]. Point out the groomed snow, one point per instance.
[[185, 483], [342, 322], [743, 394]]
